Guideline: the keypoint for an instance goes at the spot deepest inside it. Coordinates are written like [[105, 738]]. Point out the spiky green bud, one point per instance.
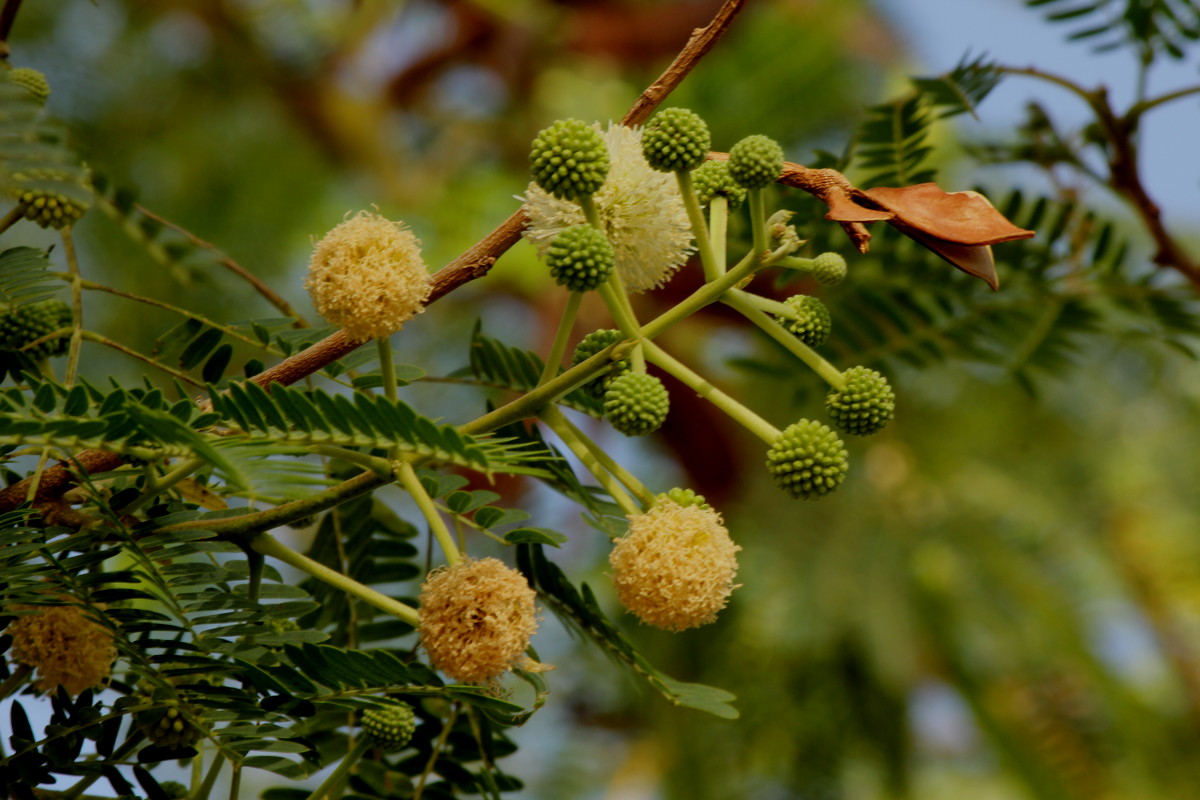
[[32, 81], [391, 728], [569, 159], [32, 321], [591, 344], [807, 460], [684, 497], [580, 258], [865, 406], [49, 209], [755, 161], [811, 323], [170, 727], [829, 269], [711, 179], [636, 403], [676, 140]]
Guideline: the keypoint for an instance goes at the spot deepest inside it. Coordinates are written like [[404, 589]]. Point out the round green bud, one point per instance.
[[636, 403], [811, 323], [755, 161], [711, 179], [569, 160], [807, 460], [676, 140], [391, 728], [684, 497], [829, 269], [591, 344], [174, 789], [170, 728], [32, 81], [49, 209], [580, 258], [32, 321], [865, 406]]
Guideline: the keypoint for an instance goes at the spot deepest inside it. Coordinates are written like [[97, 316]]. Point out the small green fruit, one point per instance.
[[676, 140], [865, 406], [569, 160], [580, 258], [755, 161], [636, 403], [807, 460], [391, 728]]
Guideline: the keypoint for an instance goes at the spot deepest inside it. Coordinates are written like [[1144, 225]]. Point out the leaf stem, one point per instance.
[[210, 778], [620, 473], [819, 365], [708, 257], [718, 213], [268, 545], [76, 307], [565, 324], [758, 219], [744, 416], [331, 783], [706, 295], [412, 484], [15, 215], [558, 423]]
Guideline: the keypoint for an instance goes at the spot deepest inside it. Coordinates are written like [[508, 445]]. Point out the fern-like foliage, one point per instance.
[[1151, 26], [892, 143], [34, 155], [24, 277]]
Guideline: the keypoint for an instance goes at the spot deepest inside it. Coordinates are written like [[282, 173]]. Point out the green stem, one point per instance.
[[248, 525], [766, 304], [76, 305], [558, 423], [565, 324], [14, 681], [154, 488], [1140, 108], [235, 781], [708, 258], [589, 212], [611, 292], [387, 369], [827, 371], [718, 212], [92, 336], [380, 466], [744, 416], [331, 783], [707, 294], [758, 219], [530, 404], [128, 746], [270, 546], [210, 778], [620, 473], [796, 263], [412, 484], [15, 215]]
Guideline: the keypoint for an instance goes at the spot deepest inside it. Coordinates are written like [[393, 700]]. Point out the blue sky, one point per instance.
[[939, 32]]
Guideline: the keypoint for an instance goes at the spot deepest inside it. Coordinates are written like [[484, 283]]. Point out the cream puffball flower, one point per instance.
[[641, 211], [366, 276], [65, 646], [476, 620], [675, 566]]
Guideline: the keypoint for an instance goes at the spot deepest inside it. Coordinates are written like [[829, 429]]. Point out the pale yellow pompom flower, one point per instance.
[[476, 620], [640, 208], [366, 276], [675, 566], [65, 647]]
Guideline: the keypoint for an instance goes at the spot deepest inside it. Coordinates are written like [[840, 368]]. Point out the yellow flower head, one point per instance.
[[367, 277], [675, 566], [65, 647], [476, 619]]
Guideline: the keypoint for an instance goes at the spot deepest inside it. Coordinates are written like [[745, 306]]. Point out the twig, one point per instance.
[[225, 261], [8, 15]]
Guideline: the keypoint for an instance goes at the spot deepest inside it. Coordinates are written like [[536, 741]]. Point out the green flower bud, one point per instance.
[[568, 159], [711, 179], [636, 403], [755, 161], [49, 209], [676, 140], [684, 497], [807, 460], [829, 269], [170, 727], [580, 258], [391, 728], [591, 344], [32, 321], [32, 81], [865, 406], [811, 323]]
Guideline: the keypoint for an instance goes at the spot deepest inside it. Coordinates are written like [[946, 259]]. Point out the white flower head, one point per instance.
[[640, 209]]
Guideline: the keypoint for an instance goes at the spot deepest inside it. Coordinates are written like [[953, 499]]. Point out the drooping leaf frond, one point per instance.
[[1151, 26], [24, 277], [34, 155]]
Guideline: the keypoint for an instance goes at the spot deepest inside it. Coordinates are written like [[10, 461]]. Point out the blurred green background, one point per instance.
[[1001, 602]]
